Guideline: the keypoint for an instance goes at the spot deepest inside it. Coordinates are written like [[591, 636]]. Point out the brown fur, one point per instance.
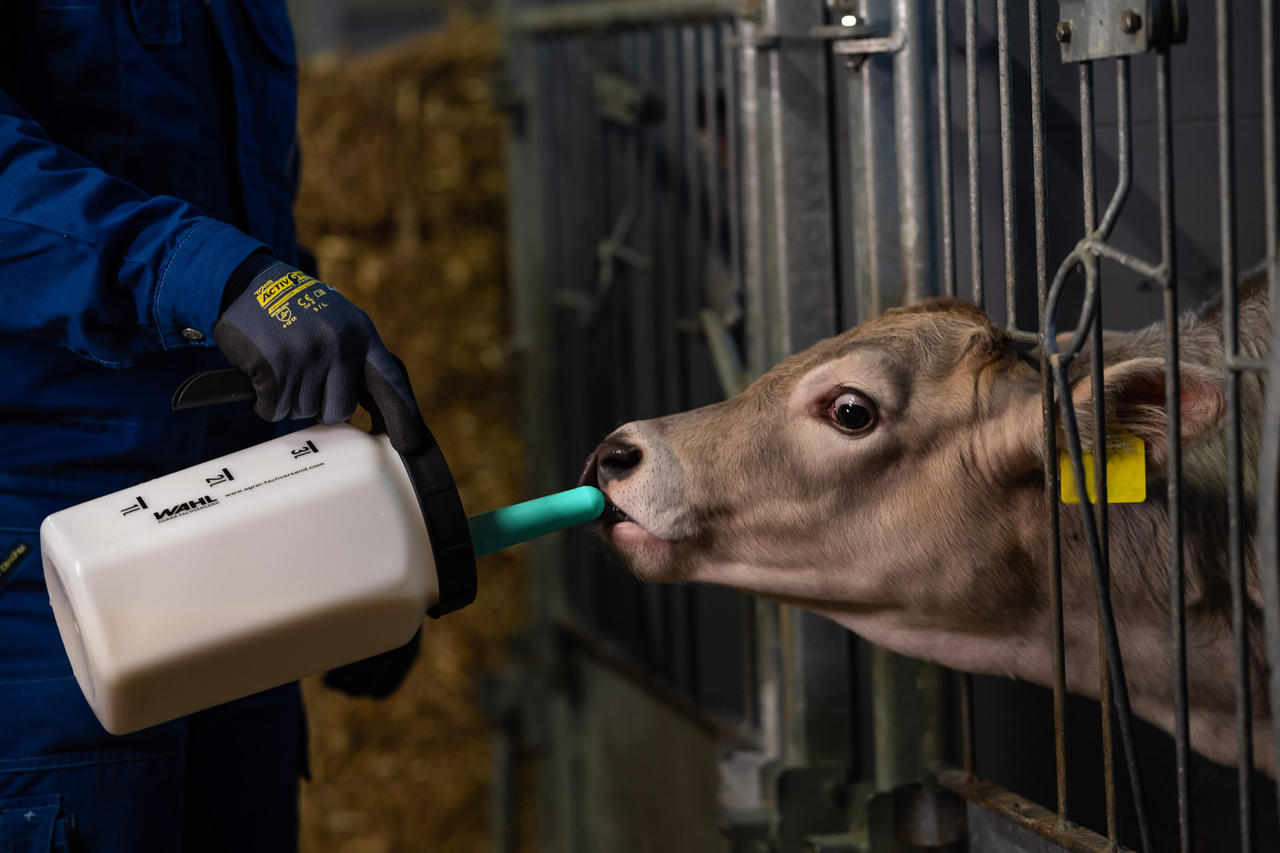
[[928, 534]]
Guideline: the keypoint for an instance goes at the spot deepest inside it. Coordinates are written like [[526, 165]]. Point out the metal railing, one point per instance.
[[793, 183]]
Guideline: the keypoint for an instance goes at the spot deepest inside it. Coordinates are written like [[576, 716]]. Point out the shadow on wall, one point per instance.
[[403, 202]]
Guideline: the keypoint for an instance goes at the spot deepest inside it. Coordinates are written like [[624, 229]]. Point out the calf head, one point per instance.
[[889, 477]]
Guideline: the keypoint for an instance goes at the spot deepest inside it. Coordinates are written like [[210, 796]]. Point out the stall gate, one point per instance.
[[700, 187]]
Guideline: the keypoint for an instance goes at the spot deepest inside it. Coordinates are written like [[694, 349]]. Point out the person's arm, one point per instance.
[[93, 264]]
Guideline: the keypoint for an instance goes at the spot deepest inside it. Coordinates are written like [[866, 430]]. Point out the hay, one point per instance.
[[403, 201]]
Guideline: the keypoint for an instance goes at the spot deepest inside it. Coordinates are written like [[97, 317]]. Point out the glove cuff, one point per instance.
[[244, 274]]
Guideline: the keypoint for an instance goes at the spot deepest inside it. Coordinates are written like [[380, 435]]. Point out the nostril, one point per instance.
[[617, 460], [588, 475]]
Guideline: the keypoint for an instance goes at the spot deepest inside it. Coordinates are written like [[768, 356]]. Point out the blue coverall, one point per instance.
[[147, 147]]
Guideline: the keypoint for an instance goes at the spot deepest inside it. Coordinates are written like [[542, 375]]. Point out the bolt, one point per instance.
[[1130, 21], [1064, 31]]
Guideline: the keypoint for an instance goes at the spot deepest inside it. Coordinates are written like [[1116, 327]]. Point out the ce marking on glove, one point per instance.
[[311, 301]]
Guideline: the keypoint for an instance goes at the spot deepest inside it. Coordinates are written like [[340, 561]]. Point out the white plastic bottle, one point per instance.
[[290, 557]]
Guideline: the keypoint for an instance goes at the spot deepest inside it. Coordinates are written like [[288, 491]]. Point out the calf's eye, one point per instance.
[[853, 412]]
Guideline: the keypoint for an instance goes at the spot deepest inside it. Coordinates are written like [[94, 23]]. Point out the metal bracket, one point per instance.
[[812, 801], [733, 376], [621, 100], [849, 28], [609, 253], [856, 51], [1103, 29]]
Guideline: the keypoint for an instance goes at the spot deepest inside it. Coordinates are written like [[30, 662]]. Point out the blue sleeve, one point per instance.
[[92, 263]]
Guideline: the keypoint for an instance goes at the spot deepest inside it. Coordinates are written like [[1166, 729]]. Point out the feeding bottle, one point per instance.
[[291, 557]]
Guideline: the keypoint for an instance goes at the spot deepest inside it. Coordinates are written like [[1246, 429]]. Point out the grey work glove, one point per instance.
[[311, 353]]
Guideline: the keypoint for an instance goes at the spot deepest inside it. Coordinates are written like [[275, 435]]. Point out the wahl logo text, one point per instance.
[[185, 507]]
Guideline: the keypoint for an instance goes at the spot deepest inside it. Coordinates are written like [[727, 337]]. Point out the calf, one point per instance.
[[891, 479]]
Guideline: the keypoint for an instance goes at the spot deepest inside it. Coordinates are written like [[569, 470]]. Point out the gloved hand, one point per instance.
[[311, 353], [378, 676]]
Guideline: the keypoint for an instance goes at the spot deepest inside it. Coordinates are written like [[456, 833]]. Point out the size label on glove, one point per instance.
[[274, 296]]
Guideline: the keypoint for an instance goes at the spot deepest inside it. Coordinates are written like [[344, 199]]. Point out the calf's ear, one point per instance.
[[1135, 391]]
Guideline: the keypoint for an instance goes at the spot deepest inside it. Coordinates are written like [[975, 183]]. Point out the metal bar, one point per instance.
[[1269, 465], [504, 751], [800, 244], [1008, 190], [1248, 365], [946, 192], [1024, 813], [732, 176], [695, 258], [1124, 131], [1050, 432], [757, 337], [1124, 154], [1101, 248], [1101, 566], [669, 244], [601, 16], [874, 175], [1177, 569], [966, 722], [911, 123], [1114, 662], [1235, 463], [691, 291], [891, 43], [1106, 696], [975, 158], [711, 161], [1095, 529]]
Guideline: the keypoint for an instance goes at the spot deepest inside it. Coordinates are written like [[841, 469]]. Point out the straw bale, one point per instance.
[[403, 201]]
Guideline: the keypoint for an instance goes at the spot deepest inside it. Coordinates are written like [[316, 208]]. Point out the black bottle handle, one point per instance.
[[211, 387]]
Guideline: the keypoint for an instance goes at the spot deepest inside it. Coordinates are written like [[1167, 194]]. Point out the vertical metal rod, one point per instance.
[[871, 213], [946, 193], [967, 736], [966, 721], [1050, 432], [1173, 397], [752, 205], [911, 122], [1007, 186], [732, 177], [1090, 201], [1102, 582], [1105, 700], [711, 158], [506, 819], [695, 260], [1235, 465], [975, 159], [1267, 497]]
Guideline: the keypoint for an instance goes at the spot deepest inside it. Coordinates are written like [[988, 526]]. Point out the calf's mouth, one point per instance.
[[590, 476]]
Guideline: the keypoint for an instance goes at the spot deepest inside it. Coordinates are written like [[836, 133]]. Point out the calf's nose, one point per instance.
[[616, 460]]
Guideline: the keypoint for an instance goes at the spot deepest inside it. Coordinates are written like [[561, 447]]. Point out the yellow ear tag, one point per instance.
[[1126, 472]]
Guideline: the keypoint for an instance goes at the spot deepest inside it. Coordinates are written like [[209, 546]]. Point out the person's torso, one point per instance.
[[190, 98]]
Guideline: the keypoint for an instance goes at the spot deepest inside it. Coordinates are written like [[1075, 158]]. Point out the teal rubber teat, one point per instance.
[[510, 525]]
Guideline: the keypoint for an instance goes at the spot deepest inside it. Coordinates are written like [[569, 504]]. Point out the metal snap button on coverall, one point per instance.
[[147, 147]]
